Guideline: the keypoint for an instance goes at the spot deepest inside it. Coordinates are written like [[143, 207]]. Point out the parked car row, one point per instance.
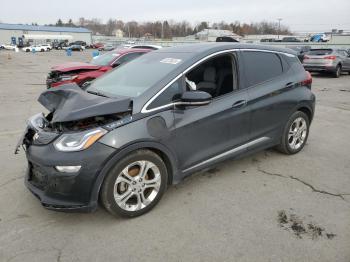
[[314, 38]]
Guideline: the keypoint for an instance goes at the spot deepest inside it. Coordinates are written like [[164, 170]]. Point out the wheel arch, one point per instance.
[[166, 155], [307, 111]]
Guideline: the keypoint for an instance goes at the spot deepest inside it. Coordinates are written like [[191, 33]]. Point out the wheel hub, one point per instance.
[[137, 185]]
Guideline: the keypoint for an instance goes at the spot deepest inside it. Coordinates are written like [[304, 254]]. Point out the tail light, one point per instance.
[[331, 57], [308, 81]]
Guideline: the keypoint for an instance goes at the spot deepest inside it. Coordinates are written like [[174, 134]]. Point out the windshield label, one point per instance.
[[172, 61]]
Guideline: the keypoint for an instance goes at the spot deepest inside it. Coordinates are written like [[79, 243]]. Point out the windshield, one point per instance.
[[320, 52], [135, 77], [105, 59]]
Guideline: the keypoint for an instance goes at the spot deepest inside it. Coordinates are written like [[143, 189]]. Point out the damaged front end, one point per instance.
[[41, 130], [74, 113], [62, 150]]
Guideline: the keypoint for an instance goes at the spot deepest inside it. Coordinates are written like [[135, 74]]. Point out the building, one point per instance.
[[119, 33], [211, 34], [19, 34]]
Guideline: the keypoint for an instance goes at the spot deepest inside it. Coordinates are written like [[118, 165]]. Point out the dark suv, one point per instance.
[[161, 117]]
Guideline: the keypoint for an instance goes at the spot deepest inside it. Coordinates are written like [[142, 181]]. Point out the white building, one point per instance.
[[13, 33]]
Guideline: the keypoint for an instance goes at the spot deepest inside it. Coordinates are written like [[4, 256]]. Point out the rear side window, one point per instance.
[[261, 66]]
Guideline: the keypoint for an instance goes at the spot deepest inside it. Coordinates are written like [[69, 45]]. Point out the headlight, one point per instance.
[[78, 141], [68, 77]]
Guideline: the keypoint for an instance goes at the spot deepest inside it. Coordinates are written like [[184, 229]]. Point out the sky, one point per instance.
[[298, 15]]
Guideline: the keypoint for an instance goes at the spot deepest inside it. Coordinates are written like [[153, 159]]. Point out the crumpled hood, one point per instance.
[[71, 103], [71, 66]]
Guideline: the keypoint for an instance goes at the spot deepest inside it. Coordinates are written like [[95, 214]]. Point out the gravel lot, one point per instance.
[[266, 207]]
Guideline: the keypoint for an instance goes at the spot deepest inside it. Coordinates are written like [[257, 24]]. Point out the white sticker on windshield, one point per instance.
[[169, 60]]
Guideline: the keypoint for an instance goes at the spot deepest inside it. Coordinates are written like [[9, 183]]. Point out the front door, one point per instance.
[[210, 133]]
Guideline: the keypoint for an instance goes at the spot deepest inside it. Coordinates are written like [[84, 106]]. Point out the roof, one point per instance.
[[44, 28], [220, 46]]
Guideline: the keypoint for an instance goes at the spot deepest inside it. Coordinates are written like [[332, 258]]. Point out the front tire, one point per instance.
[[295, 134], [135, 184]]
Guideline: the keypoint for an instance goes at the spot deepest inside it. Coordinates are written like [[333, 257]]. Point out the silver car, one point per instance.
[[333, 61]]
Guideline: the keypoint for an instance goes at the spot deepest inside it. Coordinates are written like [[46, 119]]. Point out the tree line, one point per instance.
[[168, 29]]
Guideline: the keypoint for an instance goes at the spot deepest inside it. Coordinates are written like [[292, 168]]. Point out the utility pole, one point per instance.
[[279, 27], [162, 30]]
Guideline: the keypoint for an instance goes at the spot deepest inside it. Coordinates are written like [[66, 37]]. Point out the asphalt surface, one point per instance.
[[266, 207]]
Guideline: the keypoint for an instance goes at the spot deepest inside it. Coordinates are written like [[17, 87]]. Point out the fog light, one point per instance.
[[68, 169]]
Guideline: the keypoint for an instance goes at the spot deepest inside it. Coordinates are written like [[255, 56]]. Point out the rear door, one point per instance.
[[268, 82]]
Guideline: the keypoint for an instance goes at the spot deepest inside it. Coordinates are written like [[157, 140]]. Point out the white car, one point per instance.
[[37, 48], [48, 47], [8, 47]]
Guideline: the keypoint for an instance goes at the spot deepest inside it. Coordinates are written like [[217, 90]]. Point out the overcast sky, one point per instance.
[[298, 15]]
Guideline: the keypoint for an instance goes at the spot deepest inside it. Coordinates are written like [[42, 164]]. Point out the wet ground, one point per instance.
[[266, 207]]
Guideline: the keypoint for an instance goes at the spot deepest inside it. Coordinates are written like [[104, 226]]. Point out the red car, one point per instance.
[[82, 73], [97, 45]]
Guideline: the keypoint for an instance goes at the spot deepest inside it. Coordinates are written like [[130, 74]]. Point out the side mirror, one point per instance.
[[195, 98]]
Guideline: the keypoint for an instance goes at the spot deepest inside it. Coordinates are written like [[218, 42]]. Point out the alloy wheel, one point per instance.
[[297, 133], [137, 185]]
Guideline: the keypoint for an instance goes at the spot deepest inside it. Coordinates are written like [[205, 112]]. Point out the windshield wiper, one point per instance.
[[96, 93]]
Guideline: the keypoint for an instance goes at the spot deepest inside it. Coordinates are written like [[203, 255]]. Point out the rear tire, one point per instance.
[[295, 134], [135, 184], [337, 72]]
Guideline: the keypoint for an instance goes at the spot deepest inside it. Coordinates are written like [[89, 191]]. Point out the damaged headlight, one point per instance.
[[71, 142]]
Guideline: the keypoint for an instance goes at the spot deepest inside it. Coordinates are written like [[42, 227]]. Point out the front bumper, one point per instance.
[[65, 191]]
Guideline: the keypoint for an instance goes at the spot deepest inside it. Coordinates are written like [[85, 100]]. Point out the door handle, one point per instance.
[[289, 85], [239, 104]]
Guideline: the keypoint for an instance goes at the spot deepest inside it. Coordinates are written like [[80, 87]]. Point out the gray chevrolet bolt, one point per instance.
[[159, 118]]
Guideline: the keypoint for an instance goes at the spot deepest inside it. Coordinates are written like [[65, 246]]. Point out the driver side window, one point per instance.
[[216, 76]]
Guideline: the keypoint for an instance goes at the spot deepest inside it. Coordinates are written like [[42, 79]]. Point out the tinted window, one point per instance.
[[342, 52], [172, 93], [320, 52], [128, 57], [261, 66], [105, 59]]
